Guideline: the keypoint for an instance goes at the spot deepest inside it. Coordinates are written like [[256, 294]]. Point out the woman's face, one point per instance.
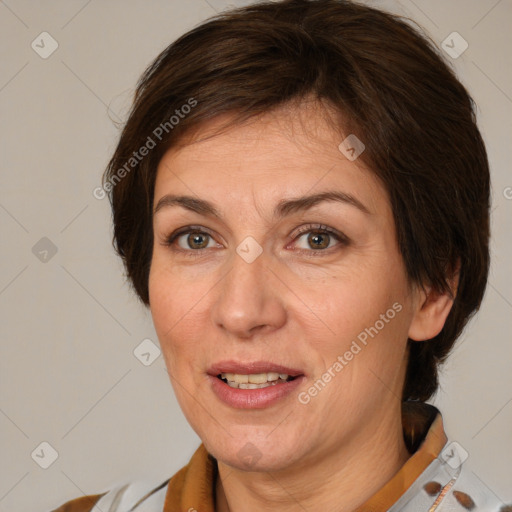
[[283, 260]]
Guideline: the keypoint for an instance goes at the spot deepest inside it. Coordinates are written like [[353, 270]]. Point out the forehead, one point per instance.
[[288, 152]]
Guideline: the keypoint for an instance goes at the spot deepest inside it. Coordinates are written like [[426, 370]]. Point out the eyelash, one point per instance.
[[169, 241]]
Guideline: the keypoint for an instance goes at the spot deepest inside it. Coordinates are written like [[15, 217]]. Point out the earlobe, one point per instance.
[[432, 311], [430, 317]]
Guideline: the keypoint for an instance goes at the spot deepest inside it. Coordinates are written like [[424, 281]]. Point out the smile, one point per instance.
[[254, 380]]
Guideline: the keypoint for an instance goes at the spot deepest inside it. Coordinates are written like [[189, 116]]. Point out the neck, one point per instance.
[[339, 480]]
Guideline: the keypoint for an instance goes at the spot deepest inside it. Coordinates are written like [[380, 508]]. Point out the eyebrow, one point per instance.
[[283, 208]]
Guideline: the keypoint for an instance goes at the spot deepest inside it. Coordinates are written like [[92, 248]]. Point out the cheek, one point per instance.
[[168, 304], [364, 315], [178, 309], [354, 299], [169, 295], [161, 298]]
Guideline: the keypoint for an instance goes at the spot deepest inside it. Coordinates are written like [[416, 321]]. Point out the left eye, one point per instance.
[[317, 240]]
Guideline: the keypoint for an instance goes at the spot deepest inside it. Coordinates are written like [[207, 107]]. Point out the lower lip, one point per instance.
[[253, 398]]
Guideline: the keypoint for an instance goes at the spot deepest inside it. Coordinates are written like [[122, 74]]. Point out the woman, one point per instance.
[[301, 197]]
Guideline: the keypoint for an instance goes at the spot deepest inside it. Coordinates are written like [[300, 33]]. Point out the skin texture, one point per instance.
[[290, 306]]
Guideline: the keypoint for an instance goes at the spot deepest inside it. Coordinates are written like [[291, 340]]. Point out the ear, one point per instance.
[[432, 310]]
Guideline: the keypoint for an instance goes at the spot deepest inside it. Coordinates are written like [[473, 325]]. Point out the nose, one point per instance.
[[247, 300]]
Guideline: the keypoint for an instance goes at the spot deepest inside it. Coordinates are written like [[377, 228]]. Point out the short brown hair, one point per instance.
[[392, 90]]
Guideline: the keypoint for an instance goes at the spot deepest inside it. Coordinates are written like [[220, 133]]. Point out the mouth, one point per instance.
[[253, 385], [254, 374], [254, 380]]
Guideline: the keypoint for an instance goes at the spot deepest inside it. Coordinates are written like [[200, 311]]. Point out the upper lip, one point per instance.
[[251, 367]]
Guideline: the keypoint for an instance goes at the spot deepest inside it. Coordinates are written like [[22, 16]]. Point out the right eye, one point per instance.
[[189, 240], [193, 240]]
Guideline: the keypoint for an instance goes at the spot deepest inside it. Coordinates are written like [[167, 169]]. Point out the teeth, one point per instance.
[[254, 380], [250, 385], [258, 378], [240, 378]]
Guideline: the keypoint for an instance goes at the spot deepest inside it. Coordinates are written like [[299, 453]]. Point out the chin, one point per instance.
[[255, 453]]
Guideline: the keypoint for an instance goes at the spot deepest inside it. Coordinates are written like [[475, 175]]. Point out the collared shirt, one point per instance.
[[435, 478]]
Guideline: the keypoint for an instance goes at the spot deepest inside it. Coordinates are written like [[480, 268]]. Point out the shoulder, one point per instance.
[[449, 484], [83, 504], [470, 492], [122, 498]]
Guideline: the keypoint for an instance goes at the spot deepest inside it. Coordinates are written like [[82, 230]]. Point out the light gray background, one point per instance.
[[69, 325]]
